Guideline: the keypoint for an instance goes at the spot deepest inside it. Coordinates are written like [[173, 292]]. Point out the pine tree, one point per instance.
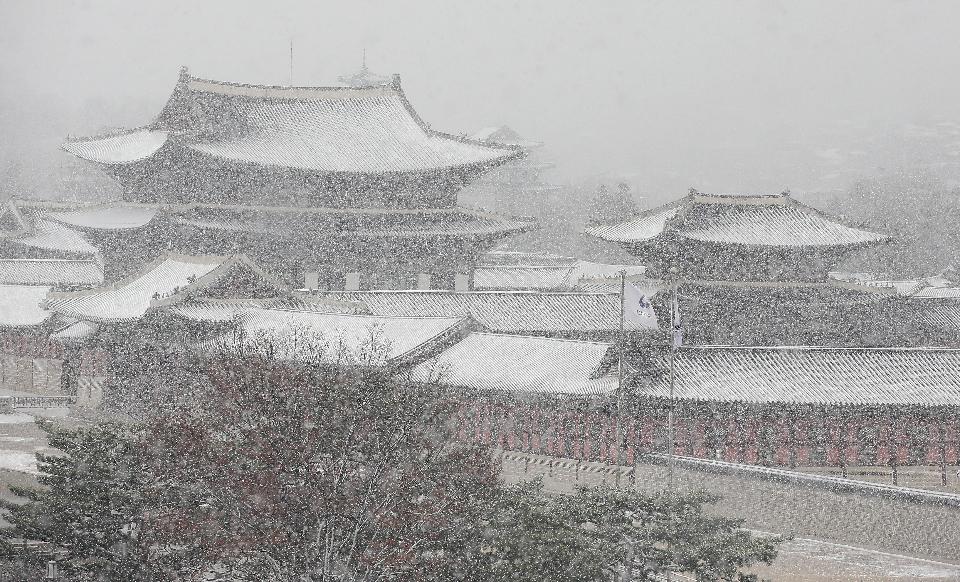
[[89, 504]]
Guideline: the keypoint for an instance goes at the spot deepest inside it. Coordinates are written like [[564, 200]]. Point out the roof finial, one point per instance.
[[363, 63], [184, 74]]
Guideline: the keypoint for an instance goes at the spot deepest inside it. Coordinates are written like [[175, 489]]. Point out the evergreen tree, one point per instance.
[[89, 505]]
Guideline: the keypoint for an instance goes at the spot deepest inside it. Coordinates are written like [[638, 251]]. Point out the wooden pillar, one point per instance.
[[942, 425], [794, 431], [842, 444], [894, 444]]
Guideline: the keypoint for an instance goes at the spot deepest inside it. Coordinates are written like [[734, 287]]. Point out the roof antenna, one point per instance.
[[363, 63], [291, 62]]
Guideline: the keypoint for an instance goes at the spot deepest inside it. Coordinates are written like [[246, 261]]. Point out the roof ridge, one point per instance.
[[802, 348], [479, 292], [392, 84], [543, 338], [49, 260], [360, 315]]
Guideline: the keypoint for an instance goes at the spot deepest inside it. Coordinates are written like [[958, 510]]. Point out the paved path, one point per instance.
[[801, 559]]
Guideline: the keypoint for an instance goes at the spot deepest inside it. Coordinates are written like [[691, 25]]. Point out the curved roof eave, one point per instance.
[[118, 148]]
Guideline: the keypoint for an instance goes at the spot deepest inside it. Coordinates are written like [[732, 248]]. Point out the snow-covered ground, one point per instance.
[[810, 560], [21, 438], [18, 461]]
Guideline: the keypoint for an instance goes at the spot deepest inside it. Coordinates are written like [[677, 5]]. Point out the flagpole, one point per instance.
[[621, 441], [674, 316]]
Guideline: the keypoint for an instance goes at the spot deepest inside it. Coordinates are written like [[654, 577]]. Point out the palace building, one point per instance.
[[754, 270], [329, 187]]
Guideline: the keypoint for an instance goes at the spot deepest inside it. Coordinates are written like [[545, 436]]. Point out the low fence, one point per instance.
[[10, 403]]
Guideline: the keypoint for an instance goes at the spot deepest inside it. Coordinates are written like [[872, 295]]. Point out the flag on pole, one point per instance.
[[637, 308], [675, 319]]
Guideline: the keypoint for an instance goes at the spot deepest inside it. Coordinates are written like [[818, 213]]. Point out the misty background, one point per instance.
[[853, 106]]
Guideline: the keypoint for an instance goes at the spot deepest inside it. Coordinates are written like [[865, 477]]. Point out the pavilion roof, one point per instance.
[[371, 129], [500, 311], [522, 364], [758, 221], [814, 375], [168, 280], [50, 272]]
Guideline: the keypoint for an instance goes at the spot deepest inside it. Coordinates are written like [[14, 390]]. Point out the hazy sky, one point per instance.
[[724, 96]]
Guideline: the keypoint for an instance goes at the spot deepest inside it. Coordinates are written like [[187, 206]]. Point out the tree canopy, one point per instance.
[[277, 471]]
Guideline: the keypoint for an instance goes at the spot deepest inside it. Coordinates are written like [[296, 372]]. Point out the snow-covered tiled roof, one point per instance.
[[523, 258], [122, 148], [75, 332], [324, 129], [49, 235], [50, 272], [106, 218], [515, 312], [306, 335], [20, 305], [647, 226], [931, 292], [227, 310], [522, 364], [773, 225], [943, 315], [523, 277], [382, 223], [551, 277], [768, 221], [475, 227], [805, 375], [132, 297]]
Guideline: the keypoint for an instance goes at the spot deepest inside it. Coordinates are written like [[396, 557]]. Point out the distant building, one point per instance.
[[516, 187], [364, 77], [754, 270]]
